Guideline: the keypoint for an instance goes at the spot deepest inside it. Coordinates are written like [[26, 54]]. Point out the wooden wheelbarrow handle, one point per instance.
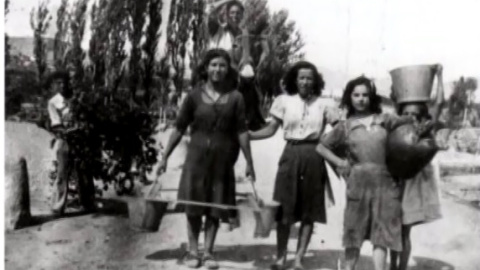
[[187, 202], [156, 186]]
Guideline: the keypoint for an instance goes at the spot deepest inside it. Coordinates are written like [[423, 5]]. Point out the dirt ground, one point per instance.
[[105, 240]]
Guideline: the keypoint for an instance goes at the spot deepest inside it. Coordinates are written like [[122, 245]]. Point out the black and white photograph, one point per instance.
[[241, 134]]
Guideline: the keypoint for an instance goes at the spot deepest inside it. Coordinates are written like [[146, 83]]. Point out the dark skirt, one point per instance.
[[300, 184], [208, 175]]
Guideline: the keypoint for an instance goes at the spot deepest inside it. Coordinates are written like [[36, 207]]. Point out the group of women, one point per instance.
[[355, 147]]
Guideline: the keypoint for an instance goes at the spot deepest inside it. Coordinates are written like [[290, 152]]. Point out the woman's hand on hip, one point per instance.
[[344, 169]]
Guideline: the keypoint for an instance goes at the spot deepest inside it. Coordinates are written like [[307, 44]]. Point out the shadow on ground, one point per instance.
[[262, 256], [430, 264], [111, 207], [44, 218], [328, 259]]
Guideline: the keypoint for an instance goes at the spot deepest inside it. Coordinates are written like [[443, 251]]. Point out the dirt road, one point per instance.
[[105, 240]]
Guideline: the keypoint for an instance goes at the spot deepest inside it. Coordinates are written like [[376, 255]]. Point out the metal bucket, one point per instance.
[[146, 215], [412, 83], [265, 219]]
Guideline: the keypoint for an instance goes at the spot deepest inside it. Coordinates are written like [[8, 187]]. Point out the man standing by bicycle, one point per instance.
[[67, 164]]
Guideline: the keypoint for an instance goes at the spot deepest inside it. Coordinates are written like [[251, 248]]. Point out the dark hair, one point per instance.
[[375, 100], [201, 72], [235, 3], [290, 78], [423, 109], [60, 75]]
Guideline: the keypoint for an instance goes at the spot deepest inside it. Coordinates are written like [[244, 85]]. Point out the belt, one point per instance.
[[370, 164], [297, 142]]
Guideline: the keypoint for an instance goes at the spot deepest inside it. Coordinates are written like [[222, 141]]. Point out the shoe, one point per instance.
[[90, 208], [191, 260], [209, 262], [279, 264], [277, 267], [298, 266], [57, 213]]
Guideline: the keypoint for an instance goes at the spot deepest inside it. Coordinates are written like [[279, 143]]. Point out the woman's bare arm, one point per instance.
[[213, 17], [173, 141], [440, 98], [268, 131], [330, 156], [265, 52], [247, 153], [216, 5]]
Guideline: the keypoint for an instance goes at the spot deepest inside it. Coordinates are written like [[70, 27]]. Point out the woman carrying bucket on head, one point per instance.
[[215, 112], [420, 202], [373, 209], [302, 177]]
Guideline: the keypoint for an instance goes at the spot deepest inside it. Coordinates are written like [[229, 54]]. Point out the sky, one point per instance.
[[370, 37]]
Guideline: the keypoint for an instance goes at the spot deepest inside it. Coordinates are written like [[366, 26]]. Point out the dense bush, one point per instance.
[[114, 127], [111, 128], [110, 116], [20, 86]]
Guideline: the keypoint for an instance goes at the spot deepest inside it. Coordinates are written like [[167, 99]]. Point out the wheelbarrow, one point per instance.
[[262, 212], [265, 213], [146, 213]]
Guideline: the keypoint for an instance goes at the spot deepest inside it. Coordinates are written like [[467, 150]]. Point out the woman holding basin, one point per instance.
[[215, 113]]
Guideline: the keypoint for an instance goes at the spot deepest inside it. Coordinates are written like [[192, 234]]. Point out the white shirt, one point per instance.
[[58, 110], [223, 39], [304, 120], [182, 98]]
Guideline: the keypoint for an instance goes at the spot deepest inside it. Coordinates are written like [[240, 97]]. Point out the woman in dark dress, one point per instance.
[[215, 113], [302, 177]]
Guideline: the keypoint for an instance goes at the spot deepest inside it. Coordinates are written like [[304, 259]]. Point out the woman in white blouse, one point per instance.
[[302, 177]]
